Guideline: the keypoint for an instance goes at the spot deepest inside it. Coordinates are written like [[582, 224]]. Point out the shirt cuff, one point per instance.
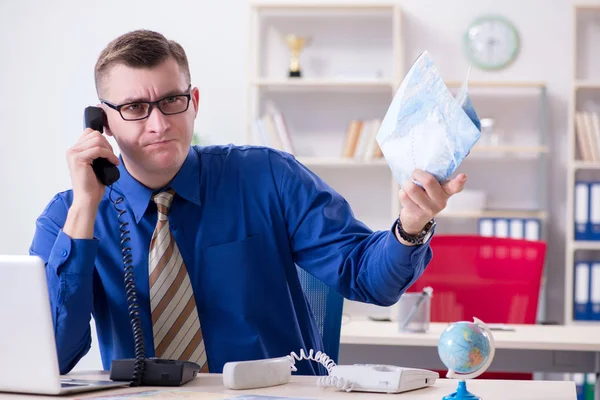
[[72, 256], [399, 253], [405, 263]]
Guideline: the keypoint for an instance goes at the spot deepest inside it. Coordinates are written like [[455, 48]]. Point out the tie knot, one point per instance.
[[163, 202]]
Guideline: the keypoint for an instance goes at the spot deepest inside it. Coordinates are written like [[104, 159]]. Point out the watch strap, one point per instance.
[[414, 239]]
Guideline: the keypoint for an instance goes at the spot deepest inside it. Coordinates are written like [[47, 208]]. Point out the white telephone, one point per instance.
[[358, 377]]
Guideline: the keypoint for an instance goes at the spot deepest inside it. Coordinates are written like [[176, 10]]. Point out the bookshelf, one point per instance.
[[512, 153], [583, 167], [351, 74], [351, 69]]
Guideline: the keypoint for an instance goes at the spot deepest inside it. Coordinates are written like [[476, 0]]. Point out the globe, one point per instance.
[[467, 350]]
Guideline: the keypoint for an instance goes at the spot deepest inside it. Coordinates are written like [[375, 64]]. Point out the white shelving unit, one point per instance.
[[584, 96], [350, 71], [504, 166]]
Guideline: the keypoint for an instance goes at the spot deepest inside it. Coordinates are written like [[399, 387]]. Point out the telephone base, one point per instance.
[[158, 372]]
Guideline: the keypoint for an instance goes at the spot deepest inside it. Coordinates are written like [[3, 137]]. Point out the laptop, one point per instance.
[[28, 357]]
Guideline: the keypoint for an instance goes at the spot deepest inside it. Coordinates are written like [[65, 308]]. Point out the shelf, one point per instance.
[[585, 244], [579, 322], [494, 214], [322, 6], [576, 165], [510, 149], [340, 162], [296, 84], [587, 6], [500, 84], [587, 84]]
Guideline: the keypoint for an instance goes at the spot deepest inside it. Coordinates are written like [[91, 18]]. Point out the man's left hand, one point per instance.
[[421, 204]]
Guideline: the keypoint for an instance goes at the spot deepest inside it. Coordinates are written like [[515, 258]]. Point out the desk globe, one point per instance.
[[467, 350]]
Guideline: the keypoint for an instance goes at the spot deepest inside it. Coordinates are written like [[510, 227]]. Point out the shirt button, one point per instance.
[[63, 253], [173, 227]]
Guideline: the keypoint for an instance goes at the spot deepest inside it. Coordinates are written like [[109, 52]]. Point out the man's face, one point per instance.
[[160, 143]]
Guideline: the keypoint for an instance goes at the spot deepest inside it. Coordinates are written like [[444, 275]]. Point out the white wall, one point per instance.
[[46, 79]]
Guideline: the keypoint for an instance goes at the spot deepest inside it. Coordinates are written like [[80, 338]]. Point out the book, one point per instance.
[[425, 127]]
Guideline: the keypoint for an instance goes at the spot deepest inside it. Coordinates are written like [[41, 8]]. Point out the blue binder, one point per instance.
[[517, 228], [581, 210], [582, 306], [594, 210]]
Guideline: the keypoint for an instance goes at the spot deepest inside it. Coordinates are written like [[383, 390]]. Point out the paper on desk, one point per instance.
[[425, 127], [189, 394], [167, 394]]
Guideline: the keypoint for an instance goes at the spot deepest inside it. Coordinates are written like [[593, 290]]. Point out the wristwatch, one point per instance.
[[419, 238]]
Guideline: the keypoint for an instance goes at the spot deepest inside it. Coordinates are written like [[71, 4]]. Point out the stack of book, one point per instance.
[[272, 131], [361, 143], [587, 131]]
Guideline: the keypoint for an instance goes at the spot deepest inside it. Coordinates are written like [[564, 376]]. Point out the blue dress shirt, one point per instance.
[[243, 217]]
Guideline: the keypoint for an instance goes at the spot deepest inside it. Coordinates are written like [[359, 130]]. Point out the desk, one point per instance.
[[529, 348], [305, 387]]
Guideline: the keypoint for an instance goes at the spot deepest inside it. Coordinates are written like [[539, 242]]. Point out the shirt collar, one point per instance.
[[186, 183]]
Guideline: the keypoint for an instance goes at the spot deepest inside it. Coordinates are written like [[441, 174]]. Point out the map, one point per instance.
[[426, 127]]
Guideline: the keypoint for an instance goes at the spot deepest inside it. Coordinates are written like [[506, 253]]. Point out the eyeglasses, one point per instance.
[[169, 105]]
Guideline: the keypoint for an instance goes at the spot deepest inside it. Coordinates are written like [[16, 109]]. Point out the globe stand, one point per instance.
[[461, 393]]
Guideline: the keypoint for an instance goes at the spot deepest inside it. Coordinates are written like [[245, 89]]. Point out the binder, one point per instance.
[[533, 229], [594, 206], [579, 379], [588, 388], [501, 228], [595, 291], [515, 228], [486, 227], [581, 291], [581, 211]]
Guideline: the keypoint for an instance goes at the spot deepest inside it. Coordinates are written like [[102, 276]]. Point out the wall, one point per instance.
[[46, 78]]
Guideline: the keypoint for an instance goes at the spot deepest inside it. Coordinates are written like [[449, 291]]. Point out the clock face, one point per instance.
[[491, 42]]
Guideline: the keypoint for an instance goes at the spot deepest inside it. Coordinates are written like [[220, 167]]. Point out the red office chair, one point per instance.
[[494, 279]]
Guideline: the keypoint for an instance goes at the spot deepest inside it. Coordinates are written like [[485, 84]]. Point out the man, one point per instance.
[[215, 232]]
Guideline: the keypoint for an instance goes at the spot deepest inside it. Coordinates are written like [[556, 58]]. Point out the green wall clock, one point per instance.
[[491, 42]]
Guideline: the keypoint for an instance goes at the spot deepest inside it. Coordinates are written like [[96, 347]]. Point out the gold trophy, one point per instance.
[[296, 44]]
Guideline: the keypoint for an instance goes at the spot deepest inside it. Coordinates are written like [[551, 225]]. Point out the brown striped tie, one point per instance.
[[175, 322]]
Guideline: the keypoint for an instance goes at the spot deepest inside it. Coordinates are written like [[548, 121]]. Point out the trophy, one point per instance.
[[296, 44]]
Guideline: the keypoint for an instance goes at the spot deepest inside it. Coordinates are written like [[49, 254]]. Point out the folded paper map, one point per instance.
[[426, 127]]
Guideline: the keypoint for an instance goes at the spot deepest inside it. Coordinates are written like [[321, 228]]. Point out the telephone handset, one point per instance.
[[140, 371], [107, 172]]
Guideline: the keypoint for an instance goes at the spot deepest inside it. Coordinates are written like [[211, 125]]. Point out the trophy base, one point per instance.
[[295, 74]]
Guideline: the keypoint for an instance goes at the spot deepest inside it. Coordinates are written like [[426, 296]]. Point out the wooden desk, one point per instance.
[[529, 348], [305, 387]]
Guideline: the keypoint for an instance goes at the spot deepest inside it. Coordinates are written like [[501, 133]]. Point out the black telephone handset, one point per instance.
[[107, 172], [140, 371]]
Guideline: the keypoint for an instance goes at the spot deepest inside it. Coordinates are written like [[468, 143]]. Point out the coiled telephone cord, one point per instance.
[[131, 293]]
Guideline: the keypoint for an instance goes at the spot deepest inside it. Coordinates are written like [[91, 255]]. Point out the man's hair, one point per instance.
[[139, 49]]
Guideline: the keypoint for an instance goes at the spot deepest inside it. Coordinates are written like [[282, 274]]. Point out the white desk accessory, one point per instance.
[[378, 378], [256, 373]]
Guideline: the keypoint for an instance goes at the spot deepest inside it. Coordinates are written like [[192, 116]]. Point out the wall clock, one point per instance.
[[491, 42]]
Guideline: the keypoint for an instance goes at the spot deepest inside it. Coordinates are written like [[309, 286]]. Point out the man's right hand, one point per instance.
[[87, 190]]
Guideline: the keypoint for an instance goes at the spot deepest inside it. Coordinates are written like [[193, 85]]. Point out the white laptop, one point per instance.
[[28, 358]]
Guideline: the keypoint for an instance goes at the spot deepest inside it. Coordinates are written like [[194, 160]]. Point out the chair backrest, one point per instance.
[[494, 279], [327, 306]]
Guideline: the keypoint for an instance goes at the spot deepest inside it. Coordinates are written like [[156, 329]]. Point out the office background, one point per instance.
[[46, 79]]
